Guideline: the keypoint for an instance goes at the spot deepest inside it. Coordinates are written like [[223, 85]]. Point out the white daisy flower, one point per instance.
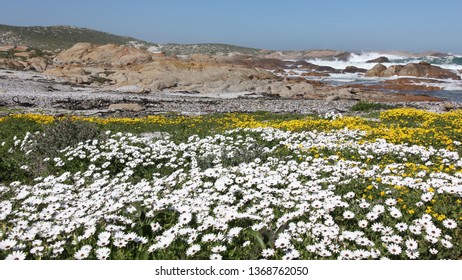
[[267, 253], [16, 255], [7, 244], [348, 215], [394, 249], [103, 253], [362, 223], [401, 227], [390, 202], [215, 257], [412, 254], [446, 243], [219, 249], [450, 224], [83, 253], [433, 251], [346, 255], [426, 197], [411, 244], [193, 250]]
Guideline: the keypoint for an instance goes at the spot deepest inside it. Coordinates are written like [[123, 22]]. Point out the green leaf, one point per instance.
[[258, 238]]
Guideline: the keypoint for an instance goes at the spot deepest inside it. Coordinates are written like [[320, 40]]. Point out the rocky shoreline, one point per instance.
[[29, 92], [109, 79]]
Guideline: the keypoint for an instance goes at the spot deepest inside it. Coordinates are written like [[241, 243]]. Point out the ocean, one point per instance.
[[451, 89]]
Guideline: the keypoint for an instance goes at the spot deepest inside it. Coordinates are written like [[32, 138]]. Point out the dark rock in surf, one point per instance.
[[381, 59], [354, 69]]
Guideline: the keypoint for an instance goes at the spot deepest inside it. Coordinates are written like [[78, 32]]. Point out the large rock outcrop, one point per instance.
[[376, 71], [128, 69], [424, 69], [421, 70], [107, 55]]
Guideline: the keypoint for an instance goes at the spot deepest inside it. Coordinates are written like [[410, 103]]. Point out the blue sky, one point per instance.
[[269, 24]]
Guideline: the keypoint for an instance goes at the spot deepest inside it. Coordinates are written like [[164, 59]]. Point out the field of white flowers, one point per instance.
[[246, 193]]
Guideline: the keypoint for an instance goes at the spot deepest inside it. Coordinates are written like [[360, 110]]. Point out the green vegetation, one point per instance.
[[61, 37], [210, 49], [8, 54], [367, 106], [232, 186]]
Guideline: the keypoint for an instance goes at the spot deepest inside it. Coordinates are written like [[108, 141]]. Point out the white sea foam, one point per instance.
[[357, 60], [360, 61], [450, 62]]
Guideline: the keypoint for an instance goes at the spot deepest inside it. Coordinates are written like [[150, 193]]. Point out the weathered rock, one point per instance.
[[376, 71], [313, 67], [343, 56], [3, 64], [21, 48], [255, 62], [38, 64], [354, 69], [333, 97], [279, 71], [381, 59], [410, 84], [114, 55], [16, 65], [392, 70], [22, 54], [424, 69], [421, 69], [402, 84], [302, 63], [6, 48], [448, 106], [134, 107]]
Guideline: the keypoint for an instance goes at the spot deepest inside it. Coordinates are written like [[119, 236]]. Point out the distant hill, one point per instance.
[[210, 49], [58, 37], [64, 37]]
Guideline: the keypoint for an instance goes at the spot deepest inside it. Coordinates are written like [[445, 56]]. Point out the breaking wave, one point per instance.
[[449, 61]]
